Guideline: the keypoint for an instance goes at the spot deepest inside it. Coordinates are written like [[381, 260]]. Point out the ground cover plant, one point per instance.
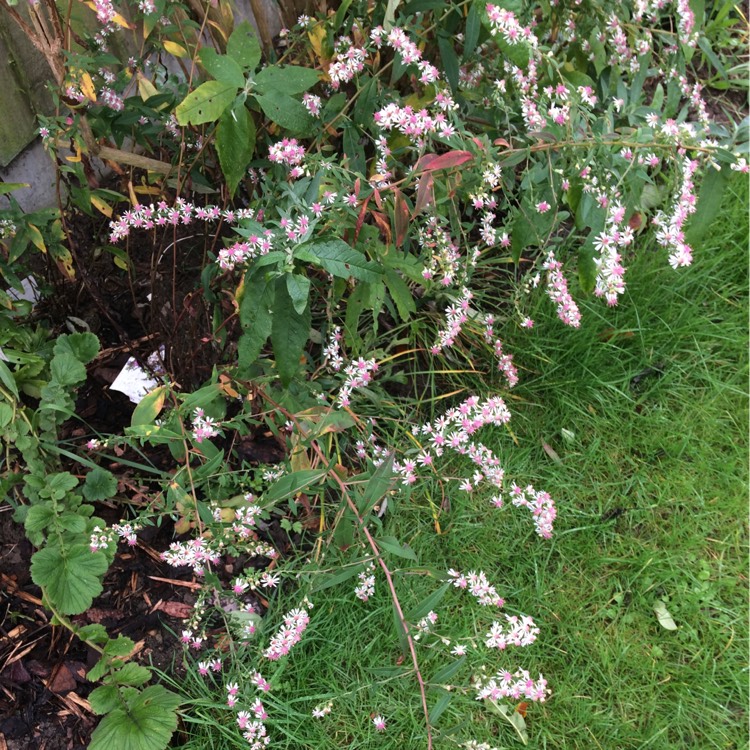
[[349, 262]]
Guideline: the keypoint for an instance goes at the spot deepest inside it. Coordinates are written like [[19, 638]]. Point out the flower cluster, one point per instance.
[[424, 626], [102, 538], [289, 634], [288, 152], [332, 350], [541, 505], [442, 263], [504, 23], [455, 316], [366, 587], [670, 232], [349, 61], [517, 686], [204, 427], [454, 431], [358, 374], [518, 631], [504, 361], [557, 290], [478, 586], [241, 252], [321, 710], [312, 104], [164, 215]]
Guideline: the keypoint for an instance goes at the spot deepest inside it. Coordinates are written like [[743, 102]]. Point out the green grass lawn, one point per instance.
[[637, 425]]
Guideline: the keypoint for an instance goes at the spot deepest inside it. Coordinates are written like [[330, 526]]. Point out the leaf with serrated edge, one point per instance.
[[71, 576], [147, 724]]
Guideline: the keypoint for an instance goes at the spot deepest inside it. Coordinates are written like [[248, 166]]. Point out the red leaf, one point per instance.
[[401, 217], [425, 195], [431, 162]]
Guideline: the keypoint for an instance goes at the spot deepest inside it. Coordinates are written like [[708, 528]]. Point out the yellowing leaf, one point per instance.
[[76, 157], [101, 206], [131, 193], [117, 18], [36, 238], [175, 49], [145, 88], [316, 36], [218, 28], [87, 87], [120, 21]]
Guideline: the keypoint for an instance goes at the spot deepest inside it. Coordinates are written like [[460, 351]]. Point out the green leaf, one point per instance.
[[513, 718], [9, 187], [291, 484], [290, 331], [441, 704], [7, 378], [343, 575], [149, 407], [72, 522], [120, 646], [449, 60], [400, 630], [57, 485], [243, 46], [206, 103], [131, 674], [522, 236], [448, 671], [710, 199], [340, 259], [380, 482], [256, 316], [235, 143], [427, 604], [285, 111], [95, 633], [222, 67], [104, 699], [400, 294], [146, 724], [83, 346], [473, 27], [298, 287], [38, 518], [100, 484], [392, 545], [338, 19], [289, 79], [71, 576], [67, 370]]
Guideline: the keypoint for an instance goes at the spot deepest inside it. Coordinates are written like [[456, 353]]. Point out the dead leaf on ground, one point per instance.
[[180, 610], [62, 680]]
